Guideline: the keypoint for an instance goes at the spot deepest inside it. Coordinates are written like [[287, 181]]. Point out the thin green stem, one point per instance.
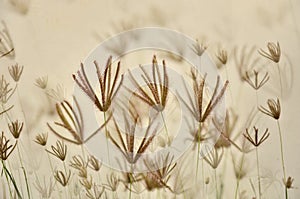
[[8, 183], [282, 158], [12, 179], [258, 173], [239, 177], [24, 171]]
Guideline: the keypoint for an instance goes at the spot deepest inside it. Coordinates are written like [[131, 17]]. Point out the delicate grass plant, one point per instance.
[[76, 174]]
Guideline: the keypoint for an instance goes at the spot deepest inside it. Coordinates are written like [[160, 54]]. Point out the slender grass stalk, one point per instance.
[[282, 158], [107, 136], [223, 173], [8, 183], [12, 179], [239, 177], [24, 172], [183, 191], [280, 80], [256, 93], [258, 173], [216, 184], [130, 181], [198, 148], [165, 127], [82, 151], [21, 162], [227, 77]]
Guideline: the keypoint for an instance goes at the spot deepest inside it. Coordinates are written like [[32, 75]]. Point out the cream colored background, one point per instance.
[[55, 35]]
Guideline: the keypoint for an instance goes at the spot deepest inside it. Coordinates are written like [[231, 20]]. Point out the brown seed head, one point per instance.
[[158, 86], [15, 72], [5, 148], [94, 163], [15, 128], [41, 139], [256, 141], [273, 109], [199, 49], [274, 52], [62, 178], [222, 56], [256, 84], [107, 83], [60, 151]]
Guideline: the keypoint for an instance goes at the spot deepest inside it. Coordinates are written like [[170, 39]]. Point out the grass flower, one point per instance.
[[60, 151], [42, 82], [15, 72], [5, 148], [62, 178], [274, 52], [6, 43], [222, 56], [5, 91], [107, 83], [41, 139], [94, 164], [213, 157], [226, 129], [127, 144], [273, 109], [197, 107], [77, 162], [87, 183], [256, 141], [158, 86], [95, 193], [199, 49], [16, 128], [70, 121], [256, 84], [112, 182], [289, 182], [158, 176]]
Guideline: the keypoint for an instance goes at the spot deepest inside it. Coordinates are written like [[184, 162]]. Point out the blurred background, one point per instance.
[[51, 38]]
